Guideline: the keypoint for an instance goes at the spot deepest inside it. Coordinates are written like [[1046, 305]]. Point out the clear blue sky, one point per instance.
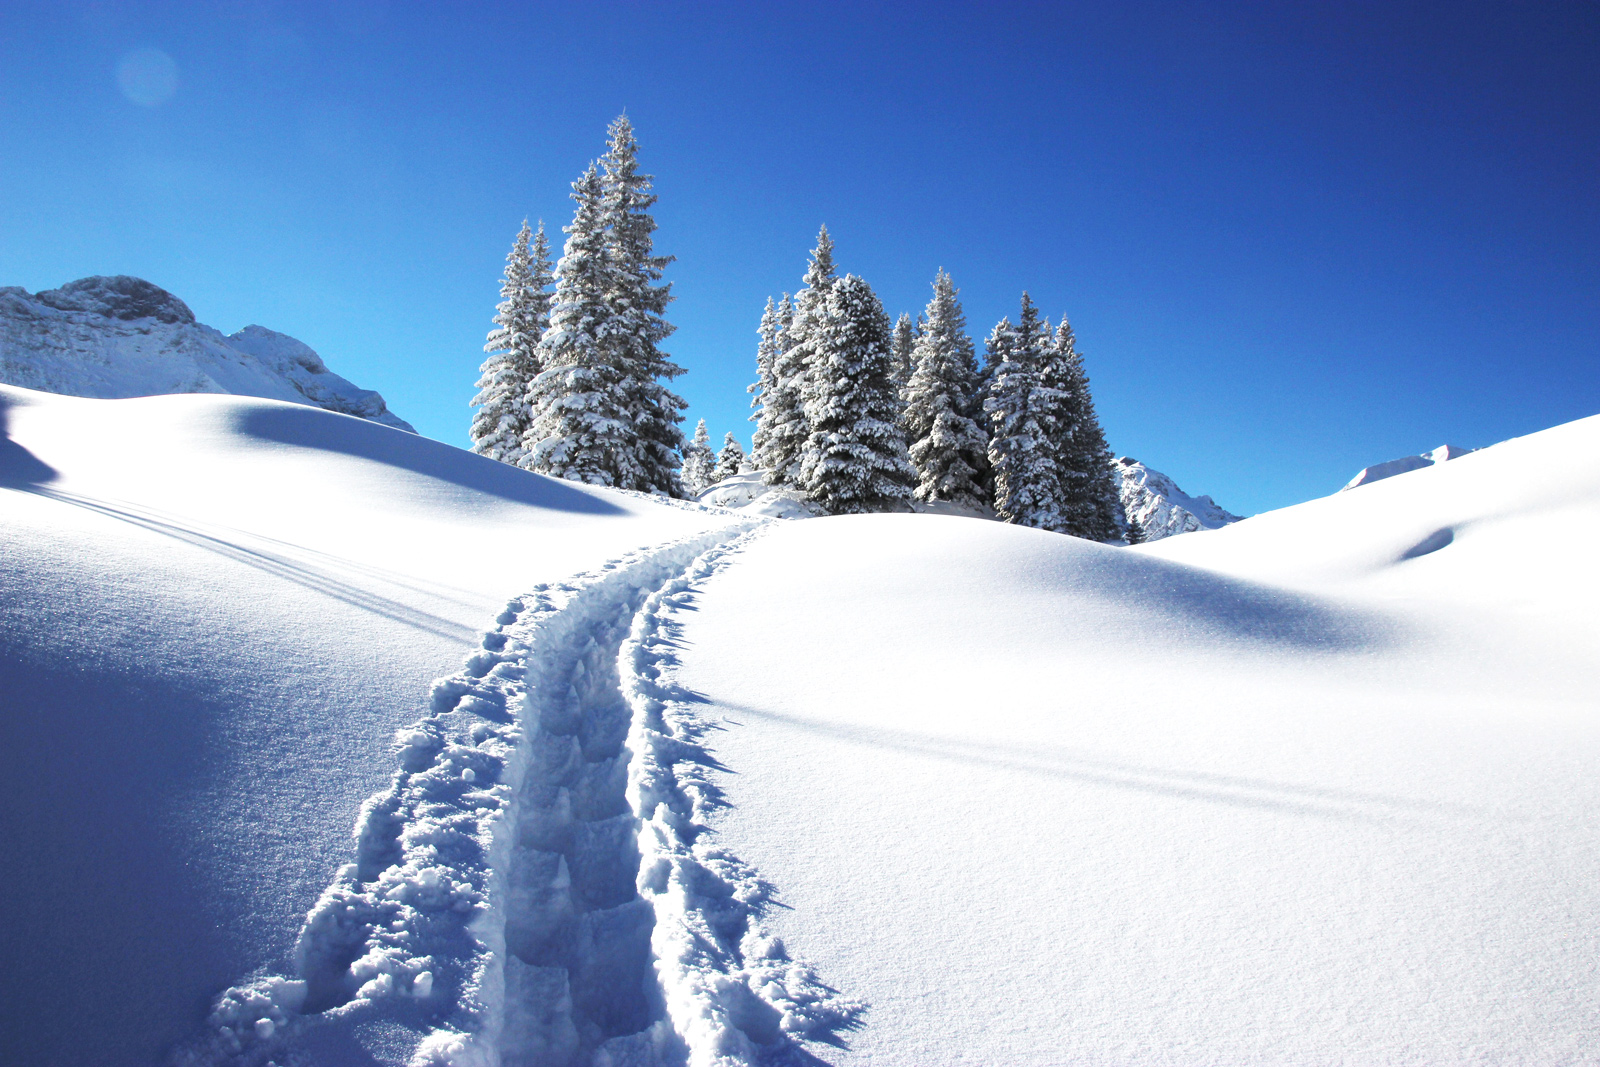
[[1294, 239]]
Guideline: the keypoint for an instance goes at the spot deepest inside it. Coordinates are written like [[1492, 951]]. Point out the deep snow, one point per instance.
[[646, 784], [217, 612], [1316, 788]]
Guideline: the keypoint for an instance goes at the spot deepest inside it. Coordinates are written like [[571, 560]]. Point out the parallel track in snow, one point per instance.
[[533, 888]]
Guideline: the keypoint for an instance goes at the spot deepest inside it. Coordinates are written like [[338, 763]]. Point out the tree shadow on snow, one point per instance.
[[1239, 791], [305, 427], [19, 468]]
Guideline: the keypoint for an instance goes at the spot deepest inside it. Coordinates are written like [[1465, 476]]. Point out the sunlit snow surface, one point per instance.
[[677, 785], [216, 613], [1316, 788]]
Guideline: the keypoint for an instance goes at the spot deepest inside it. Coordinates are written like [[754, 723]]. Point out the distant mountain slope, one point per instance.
[[120, 337], [1161, 507], [1379, 471]]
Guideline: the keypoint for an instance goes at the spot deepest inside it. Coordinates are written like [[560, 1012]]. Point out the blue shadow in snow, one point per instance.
[[307, 427], [19, 468]]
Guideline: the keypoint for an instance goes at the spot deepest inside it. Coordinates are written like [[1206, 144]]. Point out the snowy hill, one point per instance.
[[124, 337], [1164, 510], [1404, 465], [658, 785]]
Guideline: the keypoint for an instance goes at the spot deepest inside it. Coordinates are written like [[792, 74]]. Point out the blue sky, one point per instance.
[[1293, 239]]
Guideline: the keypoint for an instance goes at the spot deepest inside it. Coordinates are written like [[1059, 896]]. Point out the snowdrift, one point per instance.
[[217, 613], [1315, 788], [650, 784]]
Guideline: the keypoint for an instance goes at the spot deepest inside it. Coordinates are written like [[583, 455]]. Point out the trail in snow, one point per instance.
[[533, 887]]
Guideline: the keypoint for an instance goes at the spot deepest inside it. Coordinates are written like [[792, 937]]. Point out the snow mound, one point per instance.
[[747, 493], [1313, 783], [1406, 464], [1164, 510], [210, 635], [119, 337]]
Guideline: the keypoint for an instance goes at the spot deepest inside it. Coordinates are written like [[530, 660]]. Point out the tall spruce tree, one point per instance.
[[786, 421], [902, 344], [730, 459], [1025, 413], [520, 320], [854, 459], [638, 303], [762, 390], [583, 426], [948, 443], [1089, 493], [698, 462]]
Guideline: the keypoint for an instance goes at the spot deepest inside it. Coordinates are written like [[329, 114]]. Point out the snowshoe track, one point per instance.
[[532, 887]]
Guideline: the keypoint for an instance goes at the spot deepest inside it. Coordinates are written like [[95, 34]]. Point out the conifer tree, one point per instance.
[[1089, 493], [763, 390], [785, 419], [1134, 534], [854, 459], [638, 303], [948, 443], [520, 320], [901, 345], [698, 462], [583, 426], [730, 459], [1025, 412]]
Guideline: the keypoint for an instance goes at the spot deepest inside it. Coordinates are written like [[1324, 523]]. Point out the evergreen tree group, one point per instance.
[[857, 415], [852, 413], [586, 400]]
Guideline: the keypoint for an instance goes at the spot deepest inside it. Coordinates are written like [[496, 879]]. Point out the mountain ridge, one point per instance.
[[117, 337]]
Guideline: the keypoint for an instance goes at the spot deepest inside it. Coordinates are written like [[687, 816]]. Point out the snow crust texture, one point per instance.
[[1404, 465], [119, 337], [1161, 507]]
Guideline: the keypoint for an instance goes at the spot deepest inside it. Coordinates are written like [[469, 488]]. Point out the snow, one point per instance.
[[124, 337], [660, 784], [1315, 788], [1161, 507], [210, 633], [1405, 464]]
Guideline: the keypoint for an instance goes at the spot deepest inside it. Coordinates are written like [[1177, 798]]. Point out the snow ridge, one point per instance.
[[492, 902], [732, 992]]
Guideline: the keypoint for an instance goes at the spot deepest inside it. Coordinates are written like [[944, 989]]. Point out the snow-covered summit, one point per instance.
[[120, 337], [1380, 471], [1164, 510]]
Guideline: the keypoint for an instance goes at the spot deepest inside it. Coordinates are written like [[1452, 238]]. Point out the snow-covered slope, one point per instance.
[[124, 337], [1164, 510], [1316, 788], [677, 786], [1405, 464], [208, 637]]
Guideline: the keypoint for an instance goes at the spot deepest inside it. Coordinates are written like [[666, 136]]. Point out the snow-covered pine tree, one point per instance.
[[638, 304], [1089, 493], [520, 320], [1134, 534], [784, 411], [854, 459], [901, 345], [698, 462], [948, 443], [1024, 413], [583, 426], [771, 332], [730, 459]]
